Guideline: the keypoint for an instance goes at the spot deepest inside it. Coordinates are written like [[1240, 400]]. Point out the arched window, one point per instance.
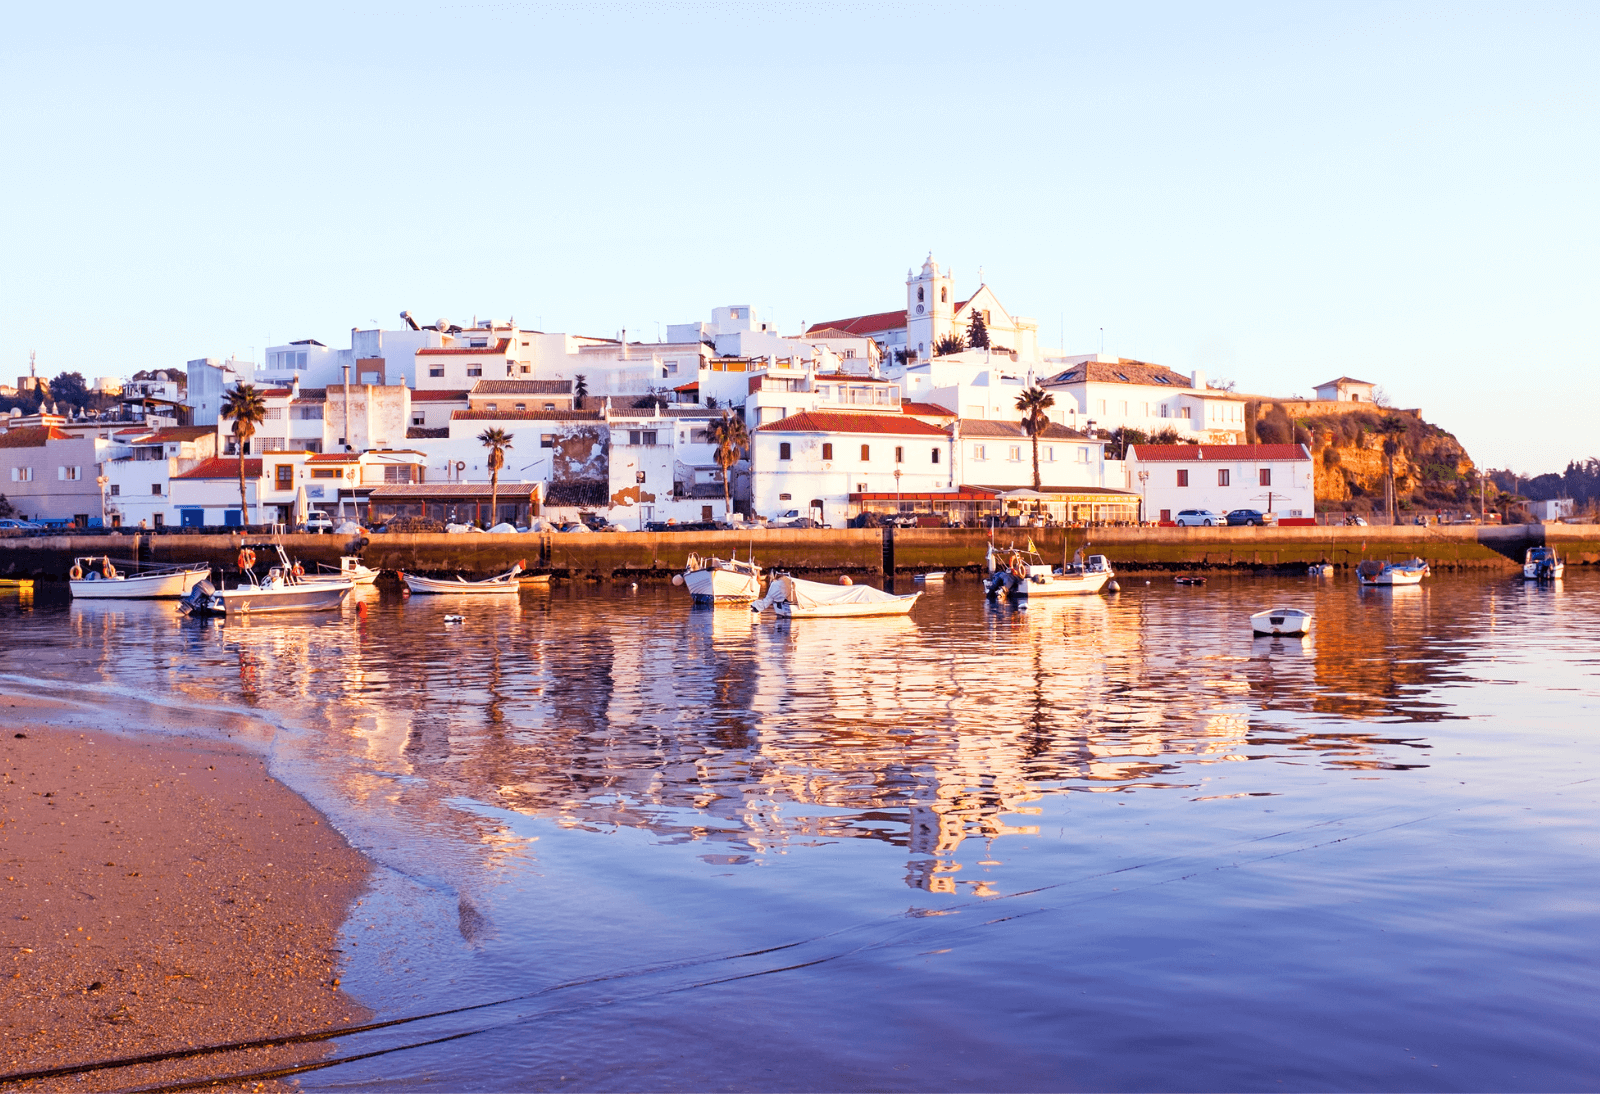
[[919, 294], [944, 294]]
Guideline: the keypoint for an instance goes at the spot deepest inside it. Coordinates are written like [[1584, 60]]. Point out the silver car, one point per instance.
[[1198, 518]]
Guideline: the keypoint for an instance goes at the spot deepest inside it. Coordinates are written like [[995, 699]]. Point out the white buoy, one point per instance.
[[844, 579], [634, 587], [677, 579]]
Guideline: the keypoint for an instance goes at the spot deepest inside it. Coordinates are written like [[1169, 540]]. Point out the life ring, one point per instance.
[[247, 558], [299, 570], [108, 571], [1018, 569], [76, 573]]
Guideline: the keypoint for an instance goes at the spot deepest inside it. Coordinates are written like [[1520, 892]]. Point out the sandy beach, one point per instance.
[[161, 894]]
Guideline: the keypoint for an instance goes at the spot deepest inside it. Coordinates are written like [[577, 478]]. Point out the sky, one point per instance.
[[1277, 194]]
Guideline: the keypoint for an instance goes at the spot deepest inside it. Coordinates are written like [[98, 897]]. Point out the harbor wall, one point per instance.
[[867, 551]]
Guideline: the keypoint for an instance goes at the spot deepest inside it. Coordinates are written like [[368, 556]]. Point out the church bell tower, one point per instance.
[[930, 308]]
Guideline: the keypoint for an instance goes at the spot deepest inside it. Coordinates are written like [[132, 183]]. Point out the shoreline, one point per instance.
[[161, 893]]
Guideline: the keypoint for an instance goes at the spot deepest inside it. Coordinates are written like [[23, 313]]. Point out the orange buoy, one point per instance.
[[76, 573], [844, 579]]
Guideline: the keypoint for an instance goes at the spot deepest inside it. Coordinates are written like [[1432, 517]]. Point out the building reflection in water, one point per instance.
[[757, 737]]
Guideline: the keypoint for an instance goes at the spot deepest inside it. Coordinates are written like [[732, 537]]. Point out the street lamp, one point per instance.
[[638, 477]]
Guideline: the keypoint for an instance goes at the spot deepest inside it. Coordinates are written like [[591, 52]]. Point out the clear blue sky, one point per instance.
[[1276, 193]]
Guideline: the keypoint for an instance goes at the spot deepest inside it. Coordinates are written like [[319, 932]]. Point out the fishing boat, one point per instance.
[[351, 569], [1285, 621], [1024, 573], [1372, 572], [1543, 564], [794, 598], [1320, 569], [96, 577], [505, 584], [720, 580], [16, 583], [284, 589]]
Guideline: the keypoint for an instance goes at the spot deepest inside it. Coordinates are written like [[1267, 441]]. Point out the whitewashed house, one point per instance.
[[1275, 478], [1346, 390], [1113, 393], [814, 461]]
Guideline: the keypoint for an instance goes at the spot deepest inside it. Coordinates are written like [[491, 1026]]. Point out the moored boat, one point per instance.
[[284, 589], [1022, 574], [96, 577], [1372, 572], [505, 584], [1543, 564], [1320, 569], [795, 598], [721, 580], [351, 569], [1284, 621]]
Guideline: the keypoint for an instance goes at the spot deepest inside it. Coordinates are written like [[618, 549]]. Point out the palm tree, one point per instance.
[[732, 439], [496, 441], [248, 409], [580, 389], [1390, 429], [1033, 403]]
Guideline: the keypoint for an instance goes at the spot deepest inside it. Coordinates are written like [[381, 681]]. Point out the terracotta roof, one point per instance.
[[668, 411], [526, 415], [927, 410], [825, 421], [852, 377], [1219, 452], [450, 489], [1348, 380], [439, 396], [863, 324], [179, 433], [223, 467], [693, 385], [32, 436], [983, 427], [439, 351], [275, 392], [335, 457], [522, 387], [1124, 371], [831, 332]]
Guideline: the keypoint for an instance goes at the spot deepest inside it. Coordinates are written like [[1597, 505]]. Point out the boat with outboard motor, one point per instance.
[[1024, 573], [794, 598], [505, 584], [1373, 572], [96, 577], [720, 580], [351, 568], [1543, 564], [284, 589]]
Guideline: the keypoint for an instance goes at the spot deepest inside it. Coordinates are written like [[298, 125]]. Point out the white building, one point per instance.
[[815, 460], [1113, 393], [209, 378], [1346, 390], [1274, 478]]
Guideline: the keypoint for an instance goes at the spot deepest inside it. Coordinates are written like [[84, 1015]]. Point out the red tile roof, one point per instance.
[[825, 421], [1208, 452], [439, 396], [32, 436], [526, 415], [223, 467], [335, 457], [927, 410], [433, 351], [275, 392], [863, 324], [179, 433], [853, 377], [692, 386]]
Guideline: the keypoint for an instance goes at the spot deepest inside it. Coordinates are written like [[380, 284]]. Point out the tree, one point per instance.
[[1033, 403], [950, 343], [6, 508], [1167, 434], [732, 439], [1390, 428], [248, 409], [580, 389], [70, 388], [1124, 438], [977, 331], [496, 440]]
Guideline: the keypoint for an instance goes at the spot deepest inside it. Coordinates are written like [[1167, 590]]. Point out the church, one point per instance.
[[931, 314]]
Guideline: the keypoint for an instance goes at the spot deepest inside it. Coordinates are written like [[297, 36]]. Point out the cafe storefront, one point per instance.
[[456, 502], [969, 506]]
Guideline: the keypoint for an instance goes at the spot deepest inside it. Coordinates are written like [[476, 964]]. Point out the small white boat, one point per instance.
[[96, 578], [1543, 564], [795, 598], [351, 568], [721, 581], [505, 584], [1024, 574], [936, 575], [283, 590], [1320, 569], [1372, 572], [1286, 621]]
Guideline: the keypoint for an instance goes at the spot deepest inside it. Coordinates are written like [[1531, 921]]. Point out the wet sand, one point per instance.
[[161, 894]]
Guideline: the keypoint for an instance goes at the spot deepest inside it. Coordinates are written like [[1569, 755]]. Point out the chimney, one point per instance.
[[1198, 379]]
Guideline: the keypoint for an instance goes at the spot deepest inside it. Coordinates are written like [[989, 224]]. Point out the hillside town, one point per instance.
[[944, 411]]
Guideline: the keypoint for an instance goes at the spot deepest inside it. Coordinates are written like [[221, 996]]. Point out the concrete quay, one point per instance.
[[869, 551]]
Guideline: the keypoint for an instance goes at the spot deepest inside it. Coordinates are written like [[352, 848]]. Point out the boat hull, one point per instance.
[[459, 587], [899, 606], [1063, 585], [168, 586], [315, 597], [1394, 577], [1289, 622], [1531, 572], [722, 586]]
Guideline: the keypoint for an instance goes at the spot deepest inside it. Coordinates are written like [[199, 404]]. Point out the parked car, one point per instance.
[[19, 525], [1246, 517], [1197, 518], [1353, 521], [318, 521]]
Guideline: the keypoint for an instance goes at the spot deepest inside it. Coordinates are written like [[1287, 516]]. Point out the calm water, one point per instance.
[[1112, 844]]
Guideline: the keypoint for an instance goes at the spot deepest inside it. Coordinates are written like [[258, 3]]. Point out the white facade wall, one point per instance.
[[1008, 462], [209, 378], [812, 473], [1290, 491]]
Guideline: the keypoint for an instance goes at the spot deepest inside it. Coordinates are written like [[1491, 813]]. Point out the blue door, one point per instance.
[[192, 518], [231, 517]]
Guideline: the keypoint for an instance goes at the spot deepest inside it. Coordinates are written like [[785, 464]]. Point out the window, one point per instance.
[[491, 406], [1266, 476], [308, 413], [69, 474], [419, 419], [978, 452], [633, 436], [272, 444], [522, 406], [1183, 477], [669, 368], [920, 297], [22, 474], [283, 475], [899, 454], [783, 450], [1083, 455], [649, 436], [705, 512], [155, 488], [474, 370], [549, 406], [785, 497], [436, 370], [866, 453], [324, 473], [397, 473], [861, 488], [116, 490], [1222, 476], [527, 368], [478, 343], [935, 455], [944, 294], [274, 413], [1124, 408], [1102, 408], [547, 440], [827, 451]]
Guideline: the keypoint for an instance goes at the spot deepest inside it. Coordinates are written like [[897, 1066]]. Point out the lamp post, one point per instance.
[[897, 491], [638, 477]]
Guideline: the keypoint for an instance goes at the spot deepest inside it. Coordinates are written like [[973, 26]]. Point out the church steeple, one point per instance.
[[929, 308]]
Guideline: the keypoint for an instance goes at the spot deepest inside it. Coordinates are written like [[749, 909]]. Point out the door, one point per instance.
[[192, 518], [233, 518]]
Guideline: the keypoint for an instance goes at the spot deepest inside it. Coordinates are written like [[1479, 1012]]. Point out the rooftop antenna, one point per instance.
[[1102, 341], [32, 373]]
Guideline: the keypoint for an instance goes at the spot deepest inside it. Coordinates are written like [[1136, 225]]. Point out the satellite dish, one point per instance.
[[441, 325]]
